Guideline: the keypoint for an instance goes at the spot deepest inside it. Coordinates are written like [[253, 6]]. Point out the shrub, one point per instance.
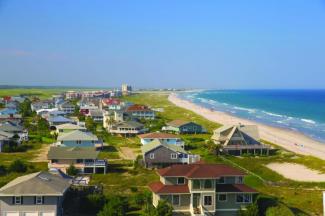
[[115, 206], [164, 208], [251, 210], [72, 170], [279, 210], [18, 166], [3, 170]]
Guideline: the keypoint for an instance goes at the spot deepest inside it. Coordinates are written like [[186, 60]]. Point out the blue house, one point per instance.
[[8, 111], [79, 138]]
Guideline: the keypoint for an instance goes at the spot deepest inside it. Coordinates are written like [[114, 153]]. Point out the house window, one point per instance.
[[79, 161], [54, 160], [239, 180], [152, 155], [222, 197], [181, 181], [243, 198], [208, 184], [176, 200], [221, 180], [196, 184], [207, 200], [39, 200], [173, 156], [17, 200], [78, 141]]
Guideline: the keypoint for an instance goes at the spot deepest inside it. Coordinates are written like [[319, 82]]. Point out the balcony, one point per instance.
[[97, 163]]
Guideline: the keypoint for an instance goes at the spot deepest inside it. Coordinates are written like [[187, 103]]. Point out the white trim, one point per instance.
[[152, 155], [175, 156], [180, 178], [204, 200], [41, 203], [15, 200]]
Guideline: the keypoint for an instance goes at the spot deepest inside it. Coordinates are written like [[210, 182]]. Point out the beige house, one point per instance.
[[36, 194], [68, 127], [84, 159], [202, 189], [240, 139]]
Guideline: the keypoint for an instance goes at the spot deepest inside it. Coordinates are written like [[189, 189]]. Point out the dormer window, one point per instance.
[[181, 181]]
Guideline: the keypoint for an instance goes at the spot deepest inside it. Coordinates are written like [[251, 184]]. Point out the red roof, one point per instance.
[[158, 135], [200, 171], [234, 188], [111, 101], [137, 107], [160, 188]]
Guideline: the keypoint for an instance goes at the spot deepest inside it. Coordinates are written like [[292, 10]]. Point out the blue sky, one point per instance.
[[167, 43]]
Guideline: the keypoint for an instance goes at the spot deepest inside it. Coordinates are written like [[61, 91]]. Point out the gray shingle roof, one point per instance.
[[40, 183], [156, 143], [77, 135], [72, 153]]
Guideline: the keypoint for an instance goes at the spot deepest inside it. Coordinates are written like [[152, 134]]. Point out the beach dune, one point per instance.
[[288, 139]]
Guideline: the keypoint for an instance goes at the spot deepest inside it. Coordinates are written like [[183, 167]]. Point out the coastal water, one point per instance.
[[299, 110]]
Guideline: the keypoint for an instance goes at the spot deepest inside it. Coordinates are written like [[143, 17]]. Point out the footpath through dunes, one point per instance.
[[297, 172], [290, 140]]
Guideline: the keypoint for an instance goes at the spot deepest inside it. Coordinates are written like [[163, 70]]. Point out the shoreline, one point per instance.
[[285, 138]]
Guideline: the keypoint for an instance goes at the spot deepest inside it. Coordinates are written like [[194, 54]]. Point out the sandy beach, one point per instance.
[[290, 140]]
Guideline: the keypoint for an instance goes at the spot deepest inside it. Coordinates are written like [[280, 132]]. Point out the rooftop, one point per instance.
[[72, 153], [77, 135], [200, 171], [158, 135], [160, 188], [40, 183], [157, 143]]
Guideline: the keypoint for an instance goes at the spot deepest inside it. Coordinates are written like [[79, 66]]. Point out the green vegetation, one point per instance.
[[72, 170]]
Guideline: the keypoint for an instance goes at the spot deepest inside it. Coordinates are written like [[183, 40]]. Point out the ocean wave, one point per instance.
[[245, 109], [308, 121], [273, 114]]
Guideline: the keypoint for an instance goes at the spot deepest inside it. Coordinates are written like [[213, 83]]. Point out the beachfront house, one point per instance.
[[183, 127], [112, 104], [110, 117], [157, 154], [167, 138], [78, 138], [36, 194], [240, 139], [85, 159], [202, 189], [137, 111], [127, 128]]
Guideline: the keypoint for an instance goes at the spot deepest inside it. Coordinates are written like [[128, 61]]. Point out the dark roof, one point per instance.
[[72, 153], [160, 188], [234, 188], [200, 171], [158, 135], [137, 107]]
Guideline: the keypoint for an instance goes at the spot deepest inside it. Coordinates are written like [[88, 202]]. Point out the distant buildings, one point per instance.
[[126, 89]]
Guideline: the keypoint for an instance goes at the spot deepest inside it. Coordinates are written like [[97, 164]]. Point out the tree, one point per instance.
[[72, 170], [213, 148], [18, 166], [251, 210], [25, 108], [164, 208], [43, 127], [90, 124], [115, 206]]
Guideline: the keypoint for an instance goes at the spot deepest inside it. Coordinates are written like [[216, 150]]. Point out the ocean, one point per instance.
[[299, 110]]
